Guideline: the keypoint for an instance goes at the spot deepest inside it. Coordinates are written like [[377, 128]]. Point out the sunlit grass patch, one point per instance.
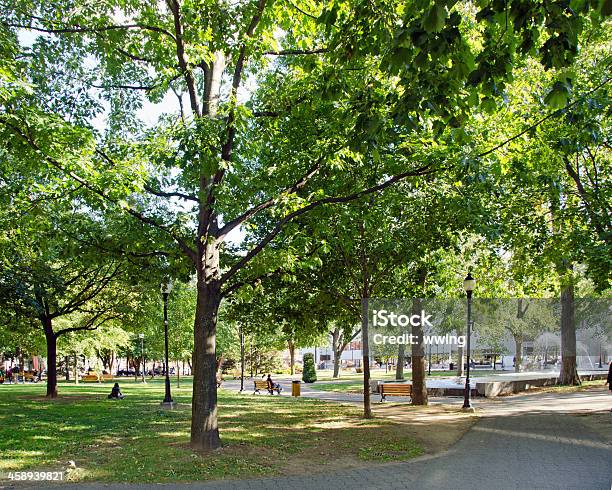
[[391, 450], [134, 440]]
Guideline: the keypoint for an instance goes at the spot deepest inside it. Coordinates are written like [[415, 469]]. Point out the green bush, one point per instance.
[[309, 375]]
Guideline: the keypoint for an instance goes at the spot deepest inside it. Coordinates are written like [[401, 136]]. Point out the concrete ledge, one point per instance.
[[491, 389]]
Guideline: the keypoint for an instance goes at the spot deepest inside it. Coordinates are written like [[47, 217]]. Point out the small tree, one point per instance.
[[309, 375]]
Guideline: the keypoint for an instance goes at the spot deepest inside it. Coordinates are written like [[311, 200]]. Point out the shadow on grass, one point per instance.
[[134, 440]]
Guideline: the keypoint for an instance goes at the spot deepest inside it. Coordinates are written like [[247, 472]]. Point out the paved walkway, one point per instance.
[[535, 441]]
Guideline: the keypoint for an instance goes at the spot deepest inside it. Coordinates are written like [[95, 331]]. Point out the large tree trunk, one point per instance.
[[51, 358], [518, 353], [460, 361], [291, 346], [367, 405], [419, 388], [569, 369], [204, 428], [401, 356], [337, 348], [337, 357]]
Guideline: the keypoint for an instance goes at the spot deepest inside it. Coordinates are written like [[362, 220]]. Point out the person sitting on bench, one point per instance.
[[116, 393], [273, 386]]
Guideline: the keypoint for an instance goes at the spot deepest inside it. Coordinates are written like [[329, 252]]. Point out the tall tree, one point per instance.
[[280, 153]]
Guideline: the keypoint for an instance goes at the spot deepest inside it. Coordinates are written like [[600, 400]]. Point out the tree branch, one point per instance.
[[226, 151], [545, 118], [187, 197], [270, 202], [296, 52], [174, 7], [424, 170], [191, 254], [80, 29]]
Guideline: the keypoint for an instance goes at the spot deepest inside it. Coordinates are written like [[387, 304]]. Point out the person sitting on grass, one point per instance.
[[273, 386], [115, 393]]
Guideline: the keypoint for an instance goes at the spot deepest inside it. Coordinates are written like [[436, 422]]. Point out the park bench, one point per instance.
[[263, 385], [390, 389], [106, 377], [90, 378]]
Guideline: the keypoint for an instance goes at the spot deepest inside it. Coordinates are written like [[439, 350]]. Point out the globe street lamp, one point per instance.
[[469, 283], [141, 337], [165, 290]]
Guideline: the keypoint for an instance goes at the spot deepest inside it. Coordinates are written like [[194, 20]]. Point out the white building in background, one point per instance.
[[324, 356], [542, 352]]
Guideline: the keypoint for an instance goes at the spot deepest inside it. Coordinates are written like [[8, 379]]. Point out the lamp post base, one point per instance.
[[168, 405]]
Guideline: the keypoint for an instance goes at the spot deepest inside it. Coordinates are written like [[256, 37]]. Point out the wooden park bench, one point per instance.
[[90, 378], [106, 377], [263, 385], [391, 389], [29, 376]]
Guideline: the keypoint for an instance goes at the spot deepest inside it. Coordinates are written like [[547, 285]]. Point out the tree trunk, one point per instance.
[[51, 358], [460, 361], [367, 406], [21, 366], [76, 370], [204, 428], [399, 368], [291, 346], [67, 361], [419, 388], [569, 369], [178, 374], [338, 349], [518, 354]]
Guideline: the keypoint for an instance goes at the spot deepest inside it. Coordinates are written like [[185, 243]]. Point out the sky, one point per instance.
[[149, 114]]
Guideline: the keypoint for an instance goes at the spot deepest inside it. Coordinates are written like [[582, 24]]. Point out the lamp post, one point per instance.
[[142, 370], [468, 285], [165, 290]]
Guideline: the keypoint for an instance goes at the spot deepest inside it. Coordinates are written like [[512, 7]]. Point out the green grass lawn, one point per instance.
[[134, 440]]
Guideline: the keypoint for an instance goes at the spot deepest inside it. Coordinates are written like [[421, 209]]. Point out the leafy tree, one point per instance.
[[324, 105]]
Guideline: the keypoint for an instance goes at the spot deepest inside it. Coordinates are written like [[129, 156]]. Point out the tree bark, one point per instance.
[[569, 370], [419, 387], [76, 370], [367, 405], [51, 339], [518, 353], [399, 368], [291, 346], [337, 348], [460, 361], [204, 427]]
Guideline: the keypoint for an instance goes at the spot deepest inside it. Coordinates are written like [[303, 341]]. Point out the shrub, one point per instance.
[[309, 375]]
